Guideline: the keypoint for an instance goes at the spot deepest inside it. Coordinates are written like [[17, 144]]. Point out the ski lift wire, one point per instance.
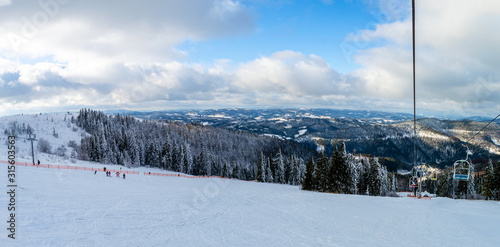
[[486, 126]]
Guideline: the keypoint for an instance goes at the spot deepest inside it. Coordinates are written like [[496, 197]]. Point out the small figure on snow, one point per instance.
[[415, 186], [104, 168], [38, 162], [95, 172], [117, 174], [123, 175]]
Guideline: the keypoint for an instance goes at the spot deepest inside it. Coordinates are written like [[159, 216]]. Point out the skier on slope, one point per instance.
[[123, 175]]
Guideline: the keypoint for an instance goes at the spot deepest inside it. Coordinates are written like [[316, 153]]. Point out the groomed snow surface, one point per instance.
[[77, 208]]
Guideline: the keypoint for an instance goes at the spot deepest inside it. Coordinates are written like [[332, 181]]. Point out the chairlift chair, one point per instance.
[[415, 173], [461, 170], [413, 183]]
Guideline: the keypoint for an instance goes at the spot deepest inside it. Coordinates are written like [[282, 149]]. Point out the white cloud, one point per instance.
[[398, 32], [284, 78], [5, 2], [91, 53], [290, 73], [115, 30], [456, 45]]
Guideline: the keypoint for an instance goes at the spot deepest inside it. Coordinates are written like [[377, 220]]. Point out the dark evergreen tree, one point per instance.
[[321, 174], [236, 171], [269, 173], [308, 181], [487, 188], [279, 175], [442, 185], [364, 174], [260, 168], [374, 180], [344, 171], [496, 182], [288, 164]]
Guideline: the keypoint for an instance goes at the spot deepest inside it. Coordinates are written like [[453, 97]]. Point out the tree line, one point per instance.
[[188, 148], [485, 186], [344, 173], [203, 150]]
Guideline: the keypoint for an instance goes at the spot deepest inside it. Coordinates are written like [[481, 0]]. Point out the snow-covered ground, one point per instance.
[[78, 208], [44, 126]]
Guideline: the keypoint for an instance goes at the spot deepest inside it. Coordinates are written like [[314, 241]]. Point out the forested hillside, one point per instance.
[[202, 150], [440, 142], [188, 148], [346, 174]]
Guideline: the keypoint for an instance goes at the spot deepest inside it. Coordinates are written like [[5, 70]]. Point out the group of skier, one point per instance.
[[108, 173]]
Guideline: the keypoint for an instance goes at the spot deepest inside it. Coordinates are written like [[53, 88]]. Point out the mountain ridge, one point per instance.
[[440, 141]]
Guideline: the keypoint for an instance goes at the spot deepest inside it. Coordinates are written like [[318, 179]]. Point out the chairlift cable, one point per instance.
[[464, 166], [486, 126]]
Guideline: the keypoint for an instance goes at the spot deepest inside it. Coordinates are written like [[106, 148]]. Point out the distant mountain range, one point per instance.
[[257, 114], [440, 142]]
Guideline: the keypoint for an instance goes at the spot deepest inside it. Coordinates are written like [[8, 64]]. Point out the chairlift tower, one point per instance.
[[32, 137], [416, 179], [414, 102]]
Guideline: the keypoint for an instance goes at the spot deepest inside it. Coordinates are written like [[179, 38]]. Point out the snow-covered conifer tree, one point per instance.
[[261, 168], [308, 181], [269, 173]]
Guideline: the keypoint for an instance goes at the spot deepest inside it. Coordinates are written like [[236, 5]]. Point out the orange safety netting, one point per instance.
[[186, 176], [81, 168], [112, 170], [419, 197]]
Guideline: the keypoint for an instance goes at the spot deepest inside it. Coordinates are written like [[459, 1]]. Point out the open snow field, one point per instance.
[[77, 208]]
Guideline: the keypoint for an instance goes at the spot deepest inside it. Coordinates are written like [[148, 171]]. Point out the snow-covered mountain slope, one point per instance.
[[55, 128], [77, 208], [440, 142]]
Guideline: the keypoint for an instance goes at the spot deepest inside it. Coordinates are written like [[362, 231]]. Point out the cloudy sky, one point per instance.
[[59, 55]]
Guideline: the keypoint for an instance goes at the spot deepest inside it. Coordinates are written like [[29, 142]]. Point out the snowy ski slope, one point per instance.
[[78, 208]]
